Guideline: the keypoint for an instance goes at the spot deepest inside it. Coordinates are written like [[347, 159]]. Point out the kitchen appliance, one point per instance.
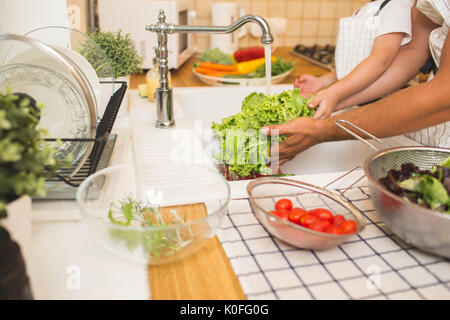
[[21, 16], [131, 16], [224, 14]]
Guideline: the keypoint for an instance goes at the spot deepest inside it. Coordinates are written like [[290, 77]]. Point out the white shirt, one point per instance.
[[439, 12], [394, 17], [358, 32]]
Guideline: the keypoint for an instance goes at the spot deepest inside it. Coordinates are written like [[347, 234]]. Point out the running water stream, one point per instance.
[[268, 56]]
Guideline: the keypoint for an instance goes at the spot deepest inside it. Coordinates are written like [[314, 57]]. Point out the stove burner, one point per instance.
[[319, 55]]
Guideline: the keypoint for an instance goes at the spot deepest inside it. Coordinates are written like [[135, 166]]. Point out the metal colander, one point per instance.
[[265, 192], [421, 227]]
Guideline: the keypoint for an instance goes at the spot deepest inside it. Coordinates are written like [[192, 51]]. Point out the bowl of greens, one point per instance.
[[410, 189], [152, 212], [244, 67]]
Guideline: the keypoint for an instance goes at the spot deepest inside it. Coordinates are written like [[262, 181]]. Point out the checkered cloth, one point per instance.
[[375, 264]]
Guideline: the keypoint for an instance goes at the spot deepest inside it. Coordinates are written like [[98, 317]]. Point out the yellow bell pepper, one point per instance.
[[249, 66]]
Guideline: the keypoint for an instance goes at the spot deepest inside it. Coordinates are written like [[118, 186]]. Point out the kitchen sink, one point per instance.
[[202, 105]]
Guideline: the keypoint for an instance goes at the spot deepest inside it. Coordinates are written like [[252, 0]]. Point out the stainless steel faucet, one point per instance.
[[164, 99]]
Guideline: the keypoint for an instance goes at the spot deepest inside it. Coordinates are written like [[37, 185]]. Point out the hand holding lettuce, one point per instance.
[[244, 149]]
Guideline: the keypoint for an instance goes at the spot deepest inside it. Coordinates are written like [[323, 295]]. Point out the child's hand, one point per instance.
[[308, 83], [327, 101]]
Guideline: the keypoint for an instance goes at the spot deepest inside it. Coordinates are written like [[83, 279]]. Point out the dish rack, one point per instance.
[[65, 183]]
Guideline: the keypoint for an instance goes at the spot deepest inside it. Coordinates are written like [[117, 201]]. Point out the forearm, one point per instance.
[[328, 79], [408, 110], [406, 65], [366, 73]]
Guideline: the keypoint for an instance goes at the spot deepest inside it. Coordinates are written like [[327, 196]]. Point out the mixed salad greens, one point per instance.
[[216, 56], [156, 243], [428, 188], [244, 149], [280, 66], [251, 64]]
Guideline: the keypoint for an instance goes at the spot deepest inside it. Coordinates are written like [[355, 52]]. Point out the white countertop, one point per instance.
[[65, 261]]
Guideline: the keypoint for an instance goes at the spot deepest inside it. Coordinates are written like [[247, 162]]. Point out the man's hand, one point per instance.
[[301, 134], [326, 100], [308, 83]]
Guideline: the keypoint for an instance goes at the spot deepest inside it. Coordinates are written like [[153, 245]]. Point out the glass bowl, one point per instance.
[[191, 200], [264, 192]]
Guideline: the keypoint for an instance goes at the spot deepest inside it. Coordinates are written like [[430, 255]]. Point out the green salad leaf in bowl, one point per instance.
[[216, 56], [280, 66], [244, 150]]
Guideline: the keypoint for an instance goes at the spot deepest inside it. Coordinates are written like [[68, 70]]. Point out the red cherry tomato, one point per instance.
[[348, 226], [338, 219], [320, 225], [307, 220], [283, 214], [322, 214], [333, 230], [296, 214], [284, 203]]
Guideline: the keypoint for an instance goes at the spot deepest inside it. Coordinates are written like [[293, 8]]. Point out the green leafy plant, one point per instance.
[[120, 50], [138, 215], [244, 149], [26, 160]]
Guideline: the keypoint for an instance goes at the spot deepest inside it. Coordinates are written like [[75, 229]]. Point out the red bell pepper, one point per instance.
[[249, 54]]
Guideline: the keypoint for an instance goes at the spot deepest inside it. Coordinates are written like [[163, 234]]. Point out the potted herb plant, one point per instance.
[[25, 162], [121, 51]]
